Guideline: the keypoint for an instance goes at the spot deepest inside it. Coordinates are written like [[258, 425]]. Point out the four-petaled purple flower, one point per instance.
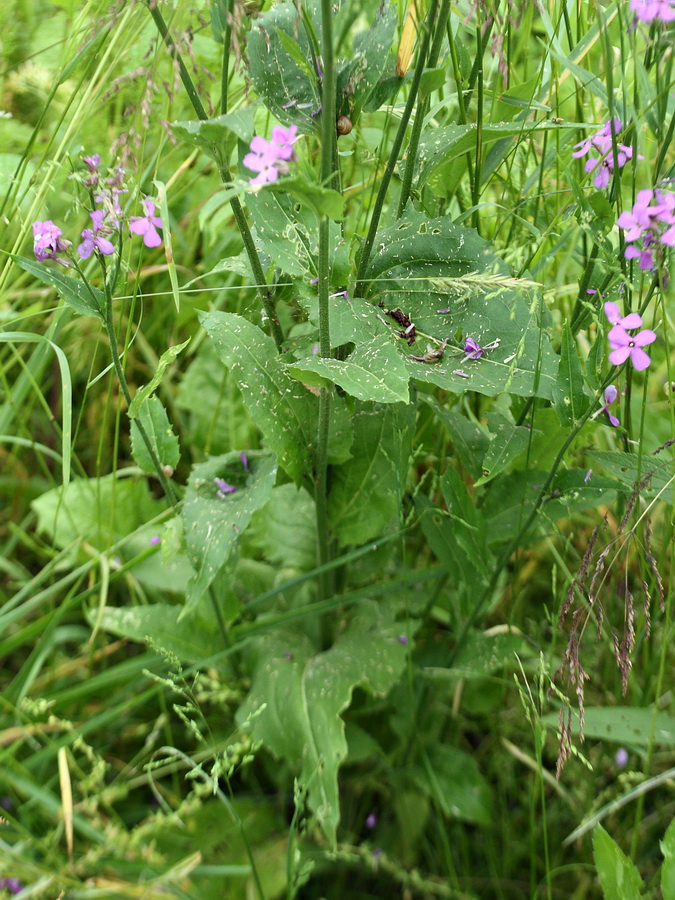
[[94, 239], [270, 158], [223, 488], [648, 10], [146, 226], [611, 394], [651, 222], [602, 142], [48, 241], [624, 345]]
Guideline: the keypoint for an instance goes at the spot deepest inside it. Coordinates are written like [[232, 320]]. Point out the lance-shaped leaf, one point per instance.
[[374, 371], [568, 394], [87, 301], [220, 499], [506, 442], [423, 266], [154, 419], [280, 406], [617, 874], [367, 492], [143, 393], [297, 697]]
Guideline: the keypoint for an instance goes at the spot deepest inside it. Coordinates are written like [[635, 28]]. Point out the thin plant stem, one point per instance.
[[263, 290], [395, 150]]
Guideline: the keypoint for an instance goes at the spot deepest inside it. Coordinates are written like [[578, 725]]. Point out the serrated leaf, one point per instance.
[[668, 867], [193, 640], [143, 393], [373, 371], [568, 395], [507, 441], [281, 78], [628, 468], [618, 877], [87, 301], [297, 697], [288, 236], [154, 419], [213, 523], [367, 492], [279, 405]]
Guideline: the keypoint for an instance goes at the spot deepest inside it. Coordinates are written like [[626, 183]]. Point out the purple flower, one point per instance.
[[613, 313], [13, 885], [472, 349], [611, 394], [371, 821], [223, 487], [94, 239], [587, 476], [155, 540], [621, 758], [601, 141], [47, 241], [648, 10], [624, 346], [146, 226], [270, 158], [640, 219], [651, 221], [244, 461], [402, 638], [92, 163]]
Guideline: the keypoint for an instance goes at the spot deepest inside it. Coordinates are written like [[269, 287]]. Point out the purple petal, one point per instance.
[[620, 355], [612, 312], [639, 359], [632, 320], [611, 393], [644, 337]]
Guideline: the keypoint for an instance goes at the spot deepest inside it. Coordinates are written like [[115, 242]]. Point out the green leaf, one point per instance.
[[289, 236], [507, 441], [143, 393], [297, 697], [628, 468], [482, 654], [322, 201], [623, 725], [154, 419], [163, 202], [469, 440], [98, 510], [453, 779], [282, 409], [357, 82], [285, 529], [191, 640], [214, 523], [568, 395], [373, 371], [668, 867], [279, 69], [87, 301], [367, 492], [418, 268], [618, 877], [210, 134]]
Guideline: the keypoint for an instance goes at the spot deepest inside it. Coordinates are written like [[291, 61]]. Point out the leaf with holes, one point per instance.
[[214, 519], [85, 300], [164, 442]]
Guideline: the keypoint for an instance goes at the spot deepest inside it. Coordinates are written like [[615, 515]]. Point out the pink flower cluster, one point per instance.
[[48, 241], [270, 158], [649, 10], [601, 142], [625, 346], [649, 226]]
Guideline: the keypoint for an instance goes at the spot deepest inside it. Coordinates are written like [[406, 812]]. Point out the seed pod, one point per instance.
[[343, 125]]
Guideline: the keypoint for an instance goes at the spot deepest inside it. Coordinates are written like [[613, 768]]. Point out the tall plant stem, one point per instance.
[[420, 112], [121, 377], [264, 293], [328, 155], [395, 149]]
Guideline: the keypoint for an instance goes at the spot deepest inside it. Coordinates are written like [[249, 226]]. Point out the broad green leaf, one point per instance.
[[298, 694], [367, 492], [356, 321], [628, 468], [453, 779], [482, 654], [618, 877], [87, 301], [419, 267], [280, 406], [358, 80], [668, 867], [322, 201], [285, 529], [470, 441], [624, 725], [279, 69], [212, 522], [192, 639], [210, 134], [288, 236], [99, 511], [507, 441], [143, 393], [154, 419], [568, 395], [373, 371]]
